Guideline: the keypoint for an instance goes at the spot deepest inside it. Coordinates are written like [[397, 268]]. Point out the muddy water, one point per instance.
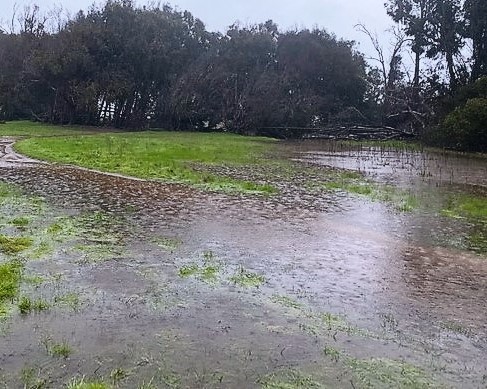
[[342, 273]]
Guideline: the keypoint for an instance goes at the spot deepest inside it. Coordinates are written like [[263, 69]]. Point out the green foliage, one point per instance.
[[466, 127]]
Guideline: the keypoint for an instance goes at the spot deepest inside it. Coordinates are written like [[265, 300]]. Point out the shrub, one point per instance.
[[466, 127]]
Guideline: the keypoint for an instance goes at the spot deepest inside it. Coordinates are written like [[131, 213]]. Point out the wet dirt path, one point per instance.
[[354, 293]]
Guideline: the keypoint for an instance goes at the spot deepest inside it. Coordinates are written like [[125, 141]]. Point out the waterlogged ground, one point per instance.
[[366, 278]]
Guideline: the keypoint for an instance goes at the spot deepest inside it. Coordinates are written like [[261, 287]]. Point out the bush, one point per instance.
[[465, 128]]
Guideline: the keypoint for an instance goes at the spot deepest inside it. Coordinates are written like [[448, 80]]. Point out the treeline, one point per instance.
[[129, 67], [443, 97], [137, 67]]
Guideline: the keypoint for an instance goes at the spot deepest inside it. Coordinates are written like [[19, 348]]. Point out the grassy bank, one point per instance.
[[167, 156]]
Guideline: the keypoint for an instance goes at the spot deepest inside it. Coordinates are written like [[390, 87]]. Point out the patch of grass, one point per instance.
[[118, 375], [286, 301], [379, 373], [20, 222], [207, 273], [34, 129], [477, 240], [332, 353], [32, 378], [189, 270], [168, 244], [247, 279], [14, 245], [456, 328], [348, 182], [26, 305], [466, 206], [70, 300], [289, 379], [10, 274], [161, 155], [59, 350], [81, 383]]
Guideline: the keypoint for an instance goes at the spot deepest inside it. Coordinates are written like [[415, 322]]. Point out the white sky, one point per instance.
[[336, 16]]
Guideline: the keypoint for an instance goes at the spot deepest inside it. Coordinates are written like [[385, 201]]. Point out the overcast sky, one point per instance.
[[336, 16]]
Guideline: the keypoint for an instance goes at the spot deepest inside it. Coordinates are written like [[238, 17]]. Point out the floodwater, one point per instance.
[[350, 292]]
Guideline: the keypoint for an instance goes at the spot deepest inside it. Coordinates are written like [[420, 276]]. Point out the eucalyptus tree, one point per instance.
[[476, 26]]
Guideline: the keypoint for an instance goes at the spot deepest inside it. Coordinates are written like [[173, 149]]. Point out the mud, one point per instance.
[[341, 272]]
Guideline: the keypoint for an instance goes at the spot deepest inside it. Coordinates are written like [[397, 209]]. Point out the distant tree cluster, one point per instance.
[[129, 67], [447, 40], [137, 67]]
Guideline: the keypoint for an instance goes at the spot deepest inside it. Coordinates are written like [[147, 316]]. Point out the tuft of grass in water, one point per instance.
[[26, 305], [14, 245], [118, 375], [379, 373], [81, 383], [70, 300], [168, 244], [32, 379], [10, 274], [332, 353], [57, 350], [286, 301], [189, 270], [289, 379], [207, 273], [160, 155], [247, 279], [20, 222]]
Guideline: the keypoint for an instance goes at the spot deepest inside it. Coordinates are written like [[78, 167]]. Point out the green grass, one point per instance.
[[355, 183], [58, 350], [10, 275], [14, 245], [80, 383], [387, 373], [288, 379], [207, 273], [166, 156], [466, 206], [286, 301], [32, 129], [27, 305], [247, 279], [20, 222]]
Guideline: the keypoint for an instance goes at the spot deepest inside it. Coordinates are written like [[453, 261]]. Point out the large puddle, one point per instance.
[[310, 288]]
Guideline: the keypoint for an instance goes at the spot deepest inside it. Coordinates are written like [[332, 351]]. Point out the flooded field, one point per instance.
[[367, 270]]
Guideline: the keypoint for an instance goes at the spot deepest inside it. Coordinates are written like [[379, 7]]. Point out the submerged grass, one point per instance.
[[158, 155], [382, 373], [247, 279], [14, 244], [288, 379], [355, 183], [10, 275]]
